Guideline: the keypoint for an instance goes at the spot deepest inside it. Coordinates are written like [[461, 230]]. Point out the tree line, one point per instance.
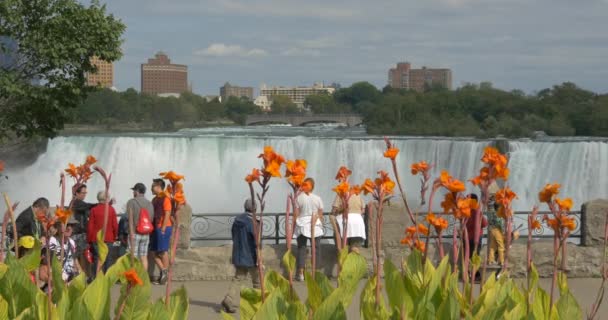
[[478, 110]]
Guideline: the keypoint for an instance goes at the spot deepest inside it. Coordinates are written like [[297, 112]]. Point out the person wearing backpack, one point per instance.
[[139, 210]]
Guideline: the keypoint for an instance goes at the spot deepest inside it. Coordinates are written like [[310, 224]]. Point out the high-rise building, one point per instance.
[[229, 90], [159, 76], [404, 77], [104, 76], [296, 94]]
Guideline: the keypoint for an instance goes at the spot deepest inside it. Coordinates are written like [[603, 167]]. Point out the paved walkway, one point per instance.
[[205, 296]]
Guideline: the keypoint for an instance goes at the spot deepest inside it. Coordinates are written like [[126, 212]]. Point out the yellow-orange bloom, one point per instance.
[[453, 185], [63, 215], [254, 176], [171, 176], [269, 156], [464, 208], [550, 190], [368, 186], [384, 183], [90, 160], [72, 170], [418, 167], [535, 225], [295, 171], [420, 245], [565, 204], [552, 223], [342, 188], [439, 223], [505, 196], [423, 229], [568, 223], [133, 278], [391, 153], [273, 169], [355, 189], [343, 173]]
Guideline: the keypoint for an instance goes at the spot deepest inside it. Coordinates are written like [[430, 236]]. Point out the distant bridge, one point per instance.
[[349, 119]]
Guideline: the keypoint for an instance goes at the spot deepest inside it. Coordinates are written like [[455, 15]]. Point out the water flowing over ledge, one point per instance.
[[216, 160]]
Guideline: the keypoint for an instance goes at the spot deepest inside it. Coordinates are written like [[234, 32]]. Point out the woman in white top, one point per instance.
[[355, 230], [309, 205]]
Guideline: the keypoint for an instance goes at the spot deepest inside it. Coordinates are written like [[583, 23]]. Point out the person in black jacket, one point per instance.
[[244, 256], [27, 224], [81, 210]]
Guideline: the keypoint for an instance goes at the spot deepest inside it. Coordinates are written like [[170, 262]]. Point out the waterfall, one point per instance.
[[579, 166], [215, 166]]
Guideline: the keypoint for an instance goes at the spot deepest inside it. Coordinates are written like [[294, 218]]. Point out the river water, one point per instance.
[[216, 160]]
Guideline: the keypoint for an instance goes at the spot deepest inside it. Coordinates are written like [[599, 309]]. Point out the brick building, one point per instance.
[[229, 90], [104, 77], [160, 76], [404, 77]]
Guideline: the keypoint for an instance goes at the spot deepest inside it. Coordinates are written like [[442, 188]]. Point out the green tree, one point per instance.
[[357, 93], [237, 109], [56, 39], [283, 105]]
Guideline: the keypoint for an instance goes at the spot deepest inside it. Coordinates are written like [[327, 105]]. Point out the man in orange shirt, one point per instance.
[[161, 237]]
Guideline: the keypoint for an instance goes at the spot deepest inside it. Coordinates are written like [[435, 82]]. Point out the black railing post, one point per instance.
[[583, 229], [277, 229]]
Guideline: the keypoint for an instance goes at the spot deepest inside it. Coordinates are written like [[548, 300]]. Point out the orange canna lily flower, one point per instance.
[[343, 174], [550, 190], [453, 185], [269, 156], [420, 245], [273, 169], [423, 229], [90, 160], [295, 171], [368, 186], [171, 176], [63, 215], [355, 189], [505, 196], [568, 223], [384, 183], [254, 176], [406, 241], [535, 225], [391, 153], [133, 278], [72, 170], [565, 204], [342, 188], [179, 198], [418, 167]]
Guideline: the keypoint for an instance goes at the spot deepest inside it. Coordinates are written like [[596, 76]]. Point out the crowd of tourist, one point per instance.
[[149, 222]]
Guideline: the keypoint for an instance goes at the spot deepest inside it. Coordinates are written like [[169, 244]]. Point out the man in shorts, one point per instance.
[[141, 242], [161, 237]]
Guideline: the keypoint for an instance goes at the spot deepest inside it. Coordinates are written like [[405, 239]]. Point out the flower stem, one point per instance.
[[174, 241], [124, 303], [379, 246], [11, 215]]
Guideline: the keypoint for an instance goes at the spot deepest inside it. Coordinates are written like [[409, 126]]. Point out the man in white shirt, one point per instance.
[[310, 207]]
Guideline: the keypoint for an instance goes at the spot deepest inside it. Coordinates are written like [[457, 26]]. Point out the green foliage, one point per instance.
[[55, 41], [283, 104], [21, 299], [417, 290], [105, 106]]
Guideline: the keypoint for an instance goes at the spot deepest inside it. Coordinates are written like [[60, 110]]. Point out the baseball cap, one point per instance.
[[139, 187]]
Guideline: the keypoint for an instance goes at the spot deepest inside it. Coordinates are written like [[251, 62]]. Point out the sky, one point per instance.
[[515, 44]]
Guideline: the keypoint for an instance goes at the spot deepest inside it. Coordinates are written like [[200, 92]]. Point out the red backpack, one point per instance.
[[144, 226]]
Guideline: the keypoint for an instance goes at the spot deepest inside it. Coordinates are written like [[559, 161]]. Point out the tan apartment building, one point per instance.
[[160, 77], [104, 77], [296, 94], [404, 77], [229, 90]]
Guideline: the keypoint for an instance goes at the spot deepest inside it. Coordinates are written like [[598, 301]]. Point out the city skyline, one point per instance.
[[514, 44]]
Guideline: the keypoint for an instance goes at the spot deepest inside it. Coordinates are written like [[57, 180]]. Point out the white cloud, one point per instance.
[[227, 50]]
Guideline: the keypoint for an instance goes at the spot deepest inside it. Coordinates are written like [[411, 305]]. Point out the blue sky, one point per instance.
[[525, 44]]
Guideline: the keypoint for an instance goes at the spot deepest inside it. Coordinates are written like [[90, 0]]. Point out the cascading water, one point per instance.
[[581, 167], [215, 163]]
